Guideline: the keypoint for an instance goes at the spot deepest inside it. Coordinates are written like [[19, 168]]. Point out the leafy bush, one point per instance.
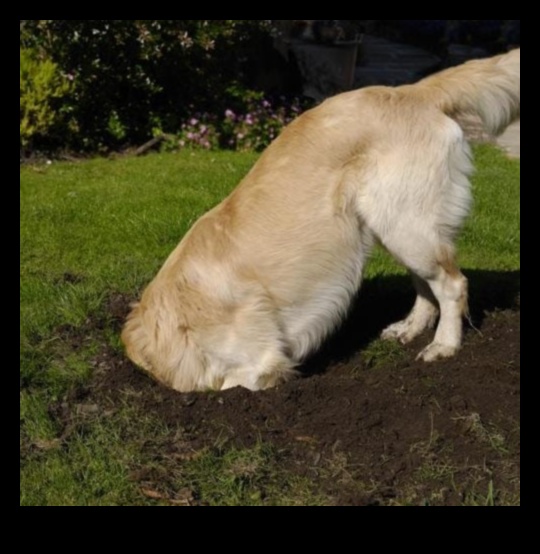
[[248, 125], [259, 124], [131, 76], [42, 91]]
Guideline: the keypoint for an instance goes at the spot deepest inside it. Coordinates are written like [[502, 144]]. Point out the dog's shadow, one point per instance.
[[385, 300]]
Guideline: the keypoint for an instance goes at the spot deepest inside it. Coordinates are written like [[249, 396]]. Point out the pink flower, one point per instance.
[[229, 114]]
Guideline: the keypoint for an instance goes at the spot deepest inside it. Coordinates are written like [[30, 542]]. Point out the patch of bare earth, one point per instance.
[[393, 432]]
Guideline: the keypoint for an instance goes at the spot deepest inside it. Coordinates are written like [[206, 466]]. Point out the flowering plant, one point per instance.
[[252, 127], [200, 131], [129, 76]]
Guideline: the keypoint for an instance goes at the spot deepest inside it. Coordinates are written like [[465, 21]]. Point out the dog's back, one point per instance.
[[261, 280]]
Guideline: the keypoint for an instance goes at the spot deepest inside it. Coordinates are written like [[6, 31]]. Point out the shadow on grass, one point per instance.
[[383, 301]]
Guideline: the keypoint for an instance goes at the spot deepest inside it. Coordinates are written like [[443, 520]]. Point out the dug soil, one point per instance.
[[367, 424]]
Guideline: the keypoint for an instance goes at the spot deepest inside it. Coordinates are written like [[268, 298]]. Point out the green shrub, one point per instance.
[[133, 76], [42, 90], [250, 124]]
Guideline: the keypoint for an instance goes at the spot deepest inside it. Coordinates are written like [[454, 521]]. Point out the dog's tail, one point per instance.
[[490, 88]]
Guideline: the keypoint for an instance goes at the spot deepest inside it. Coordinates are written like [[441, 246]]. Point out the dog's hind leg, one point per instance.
[[435, 268], [415, 200], [422, 317], [450, 288]]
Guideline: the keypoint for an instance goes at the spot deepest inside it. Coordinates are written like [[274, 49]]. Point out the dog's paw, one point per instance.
[[402, 332], [395, 331], [436, 351]]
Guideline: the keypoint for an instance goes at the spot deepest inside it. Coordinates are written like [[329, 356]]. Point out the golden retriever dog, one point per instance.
[[262, 279]]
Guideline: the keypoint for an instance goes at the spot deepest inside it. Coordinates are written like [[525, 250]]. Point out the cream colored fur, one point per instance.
[[263, 278]]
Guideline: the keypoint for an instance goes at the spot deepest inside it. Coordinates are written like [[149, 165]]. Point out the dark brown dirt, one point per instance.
[[368, 429]]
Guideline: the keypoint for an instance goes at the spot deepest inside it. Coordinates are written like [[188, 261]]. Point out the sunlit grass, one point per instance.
[[101, 227]]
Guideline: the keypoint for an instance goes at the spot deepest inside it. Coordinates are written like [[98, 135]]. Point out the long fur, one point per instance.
[[263, 278]]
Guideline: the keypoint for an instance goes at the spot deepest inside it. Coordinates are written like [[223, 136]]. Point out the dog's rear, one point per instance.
[[419, 195], [262, 279]]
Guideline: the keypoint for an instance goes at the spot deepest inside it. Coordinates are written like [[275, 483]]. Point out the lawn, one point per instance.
[[95, 230]]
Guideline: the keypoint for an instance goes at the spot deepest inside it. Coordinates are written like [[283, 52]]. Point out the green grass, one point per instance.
[[91, 470], [491, 237], [108, 224], [382, 353], [96, 228], [248, 477], [491, 240]]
